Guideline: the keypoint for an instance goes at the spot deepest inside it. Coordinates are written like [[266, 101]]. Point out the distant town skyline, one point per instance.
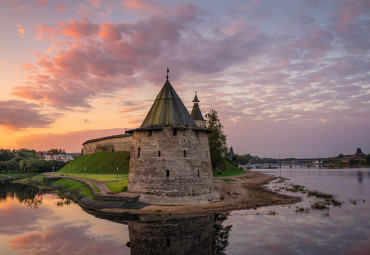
[[287, 78]]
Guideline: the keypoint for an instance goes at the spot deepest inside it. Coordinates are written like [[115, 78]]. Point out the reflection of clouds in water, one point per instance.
[[57, 230], [290, 233], [61, 239], [16, 218]]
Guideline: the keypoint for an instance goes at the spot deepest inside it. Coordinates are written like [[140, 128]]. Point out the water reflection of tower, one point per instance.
[[359, 176], [193, 235]]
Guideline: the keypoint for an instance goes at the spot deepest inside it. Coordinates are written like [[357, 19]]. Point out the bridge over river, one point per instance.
[[277, 163]]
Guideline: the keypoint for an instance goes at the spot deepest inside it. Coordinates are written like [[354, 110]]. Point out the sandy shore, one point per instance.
[[239, 192]]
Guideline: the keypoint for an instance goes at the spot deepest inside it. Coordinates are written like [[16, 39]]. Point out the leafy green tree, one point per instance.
[[6, 155], [217, 141], [57, 151], [21, 165], [243, 159], [234, 160], [368, 159]]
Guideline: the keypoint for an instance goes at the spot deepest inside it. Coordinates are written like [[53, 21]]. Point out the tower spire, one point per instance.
[[168, 70]]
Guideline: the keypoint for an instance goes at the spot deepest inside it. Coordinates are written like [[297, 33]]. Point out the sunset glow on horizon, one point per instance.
[[287, 78]]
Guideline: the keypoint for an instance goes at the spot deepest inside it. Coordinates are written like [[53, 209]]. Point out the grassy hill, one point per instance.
[[108, 161], [229, 171]]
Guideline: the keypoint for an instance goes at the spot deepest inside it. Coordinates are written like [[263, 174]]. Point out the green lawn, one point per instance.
[[230, 171], [106, 161], [117, 186], [102, 177], [75, 185], [37, 178]]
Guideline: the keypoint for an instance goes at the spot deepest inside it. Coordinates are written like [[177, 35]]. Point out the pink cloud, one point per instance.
[[144, 5], [77, 29], [20, 115], [44, 31], [95, 3], [350, 10], [109, 32], [132, 109], [60, 8], [21, 30], [42, 2]]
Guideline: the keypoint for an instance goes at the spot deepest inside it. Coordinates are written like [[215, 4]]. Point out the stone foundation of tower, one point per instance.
[[171, 162]]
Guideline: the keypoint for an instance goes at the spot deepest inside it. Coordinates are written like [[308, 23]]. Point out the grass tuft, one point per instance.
[[117, 186]]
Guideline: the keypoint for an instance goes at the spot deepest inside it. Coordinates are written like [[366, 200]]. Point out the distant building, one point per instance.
[[120, 142], [358, 157], [231, 153], [359, 154], [47, 155]]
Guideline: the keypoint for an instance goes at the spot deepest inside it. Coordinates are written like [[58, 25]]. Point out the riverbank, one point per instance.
[[245, 191]]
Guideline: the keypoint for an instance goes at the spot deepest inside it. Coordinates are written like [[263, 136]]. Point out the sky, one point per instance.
[[287, 78]]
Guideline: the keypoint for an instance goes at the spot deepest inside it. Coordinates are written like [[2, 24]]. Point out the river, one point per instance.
[[32, 222]]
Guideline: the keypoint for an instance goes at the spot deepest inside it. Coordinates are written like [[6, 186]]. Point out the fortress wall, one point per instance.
[[109, 144], [170, 165]]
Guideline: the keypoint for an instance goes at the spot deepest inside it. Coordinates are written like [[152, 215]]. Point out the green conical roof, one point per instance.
[[168, 110]]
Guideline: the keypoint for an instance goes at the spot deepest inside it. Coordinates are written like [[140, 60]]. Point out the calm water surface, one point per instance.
[[35, 223]]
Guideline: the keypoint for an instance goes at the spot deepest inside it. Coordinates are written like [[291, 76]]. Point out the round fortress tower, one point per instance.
[[169, 152]]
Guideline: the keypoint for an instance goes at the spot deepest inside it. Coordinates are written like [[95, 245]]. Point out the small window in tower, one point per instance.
[[159, 154], [138, 152], [198, 173], [167, 173], [150, 133], [184, 154], [174, 132], [168, 242]]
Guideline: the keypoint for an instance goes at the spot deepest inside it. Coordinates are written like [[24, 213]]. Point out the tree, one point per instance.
[[368, 159], [235, 160], [243, 159], [217, 141]]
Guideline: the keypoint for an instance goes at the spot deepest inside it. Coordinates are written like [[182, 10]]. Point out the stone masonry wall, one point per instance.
[[170, 165], [119, 144]]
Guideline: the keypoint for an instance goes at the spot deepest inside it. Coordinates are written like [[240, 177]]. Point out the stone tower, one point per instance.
[[169, 152], [196, 114]]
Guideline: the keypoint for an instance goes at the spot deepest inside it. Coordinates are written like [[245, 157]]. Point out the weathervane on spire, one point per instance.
[[168, 70]]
